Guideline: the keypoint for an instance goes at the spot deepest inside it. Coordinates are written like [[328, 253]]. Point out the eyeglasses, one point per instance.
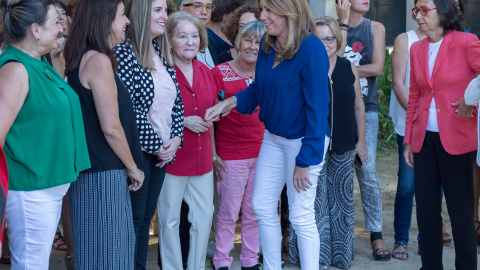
[[199, 6], [329, 39], [423, 10]]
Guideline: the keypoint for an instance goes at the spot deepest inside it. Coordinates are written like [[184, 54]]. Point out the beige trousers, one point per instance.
[[197, 191]]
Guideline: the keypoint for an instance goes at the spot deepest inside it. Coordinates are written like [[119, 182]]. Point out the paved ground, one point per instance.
[[387, 169]]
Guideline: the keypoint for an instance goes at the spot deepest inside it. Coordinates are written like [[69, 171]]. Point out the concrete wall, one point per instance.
[[323, 8], [410, 22]]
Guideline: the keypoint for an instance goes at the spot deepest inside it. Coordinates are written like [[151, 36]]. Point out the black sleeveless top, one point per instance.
[[101, 155], [343, 100]]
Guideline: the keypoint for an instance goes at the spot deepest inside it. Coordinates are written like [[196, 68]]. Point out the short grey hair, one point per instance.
[[255, 28]]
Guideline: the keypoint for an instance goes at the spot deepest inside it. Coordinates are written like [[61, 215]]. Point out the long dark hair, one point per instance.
[[450, 18], [461, 6], [91, 27]]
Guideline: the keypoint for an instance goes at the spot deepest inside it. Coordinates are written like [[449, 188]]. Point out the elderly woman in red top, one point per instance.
[[190, 178], [238, 138]]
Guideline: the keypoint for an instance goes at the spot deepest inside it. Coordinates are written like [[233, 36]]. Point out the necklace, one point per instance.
[[250, 78], [278, 54]]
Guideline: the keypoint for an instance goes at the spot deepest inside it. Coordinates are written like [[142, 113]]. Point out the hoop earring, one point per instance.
[[38, 40]]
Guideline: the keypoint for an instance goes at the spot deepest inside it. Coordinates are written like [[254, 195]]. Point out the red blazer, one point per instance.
[[456, 65]]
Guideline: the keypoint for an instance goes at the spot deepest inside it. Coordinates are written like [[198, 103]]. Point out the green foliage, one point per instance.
[[386, 132], [177, 4]]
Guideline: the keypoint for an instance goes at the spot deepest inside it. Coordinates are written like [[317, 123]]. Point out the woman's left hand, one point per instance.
[[301, 179], [361, 151], [463, 110], [168, 151]]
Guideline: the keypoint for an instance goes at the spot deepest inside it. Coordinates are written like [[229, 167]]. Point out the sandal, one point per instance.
[[379, 254], [63, 245], [477, 231], [403, 252]]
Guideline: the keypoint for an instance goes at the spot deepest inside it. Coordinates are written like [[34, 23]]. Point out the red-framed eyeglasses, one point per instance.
[[423, 10]]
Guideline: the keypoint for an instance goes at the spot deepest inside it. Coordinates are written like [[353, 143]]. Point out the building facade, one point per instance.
[[396, 15]]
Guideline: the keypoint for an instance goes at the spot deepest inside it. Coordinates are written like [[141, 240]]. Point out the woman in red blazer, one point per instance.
[[441, 130]]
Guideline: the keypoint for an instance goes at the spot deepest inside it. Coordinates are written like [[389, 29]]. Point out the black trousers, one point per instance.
[[434, 167], [144, 203]]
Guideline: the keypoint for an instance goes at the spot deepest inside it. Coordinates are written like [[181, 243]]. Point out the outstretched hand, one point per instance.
[[220, 109], [197, 124]]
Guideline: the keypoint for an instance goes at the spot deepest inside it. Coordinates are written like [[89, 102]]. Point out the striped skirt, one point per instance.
[[101, 213]]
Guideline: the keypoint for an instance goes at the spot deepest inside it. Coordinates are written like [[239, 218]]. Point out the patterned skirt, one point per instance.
[[334, 213], [101, 213]]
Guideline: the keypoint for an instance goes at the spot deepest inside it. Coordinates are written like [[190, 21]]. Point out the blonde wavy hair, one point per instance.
[[300, 24]]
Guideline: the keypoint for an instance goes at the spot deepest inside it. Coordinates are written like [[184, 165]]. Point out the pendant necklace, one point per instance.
[[250, 78], [278, 54]]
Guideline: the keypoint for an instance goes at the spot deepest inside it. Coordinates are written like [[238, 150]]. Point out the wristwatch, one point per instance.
[[344, 25]]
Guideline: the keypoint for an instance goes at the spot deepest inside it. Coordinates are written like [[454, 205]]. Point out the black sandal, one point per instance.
[[403, 252], [62, 246], [379, 253]]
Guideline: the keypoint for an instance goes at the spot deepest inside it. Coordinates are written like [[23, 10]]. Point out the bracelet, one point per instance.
[[343, 28], [235, 100], [344, 25]]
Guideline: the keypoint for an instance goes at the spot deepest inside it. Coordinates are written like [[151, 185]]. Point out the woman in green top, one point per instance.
[[41, 130]]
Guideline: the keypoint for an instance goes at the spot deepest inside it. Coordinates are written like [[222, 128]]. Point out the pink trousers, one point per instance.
[[235, 192]]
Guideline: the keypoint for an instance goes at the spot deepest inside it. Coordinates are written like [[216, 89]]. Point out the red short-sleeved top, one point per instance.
[[195, 157], [237, 136]]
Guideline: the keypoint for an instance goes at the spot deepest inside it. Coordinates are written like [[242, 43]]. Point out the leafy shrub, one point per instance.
[[386, 132]]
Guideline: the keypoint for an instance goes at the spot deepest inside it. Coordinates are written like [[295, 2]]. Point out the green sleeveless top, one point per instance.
[[46, 146]]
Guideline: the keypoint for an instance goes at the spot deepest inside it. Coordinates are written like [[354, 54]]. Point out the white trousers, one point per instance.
[[275, 166], [197, 191], [32, 218]]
